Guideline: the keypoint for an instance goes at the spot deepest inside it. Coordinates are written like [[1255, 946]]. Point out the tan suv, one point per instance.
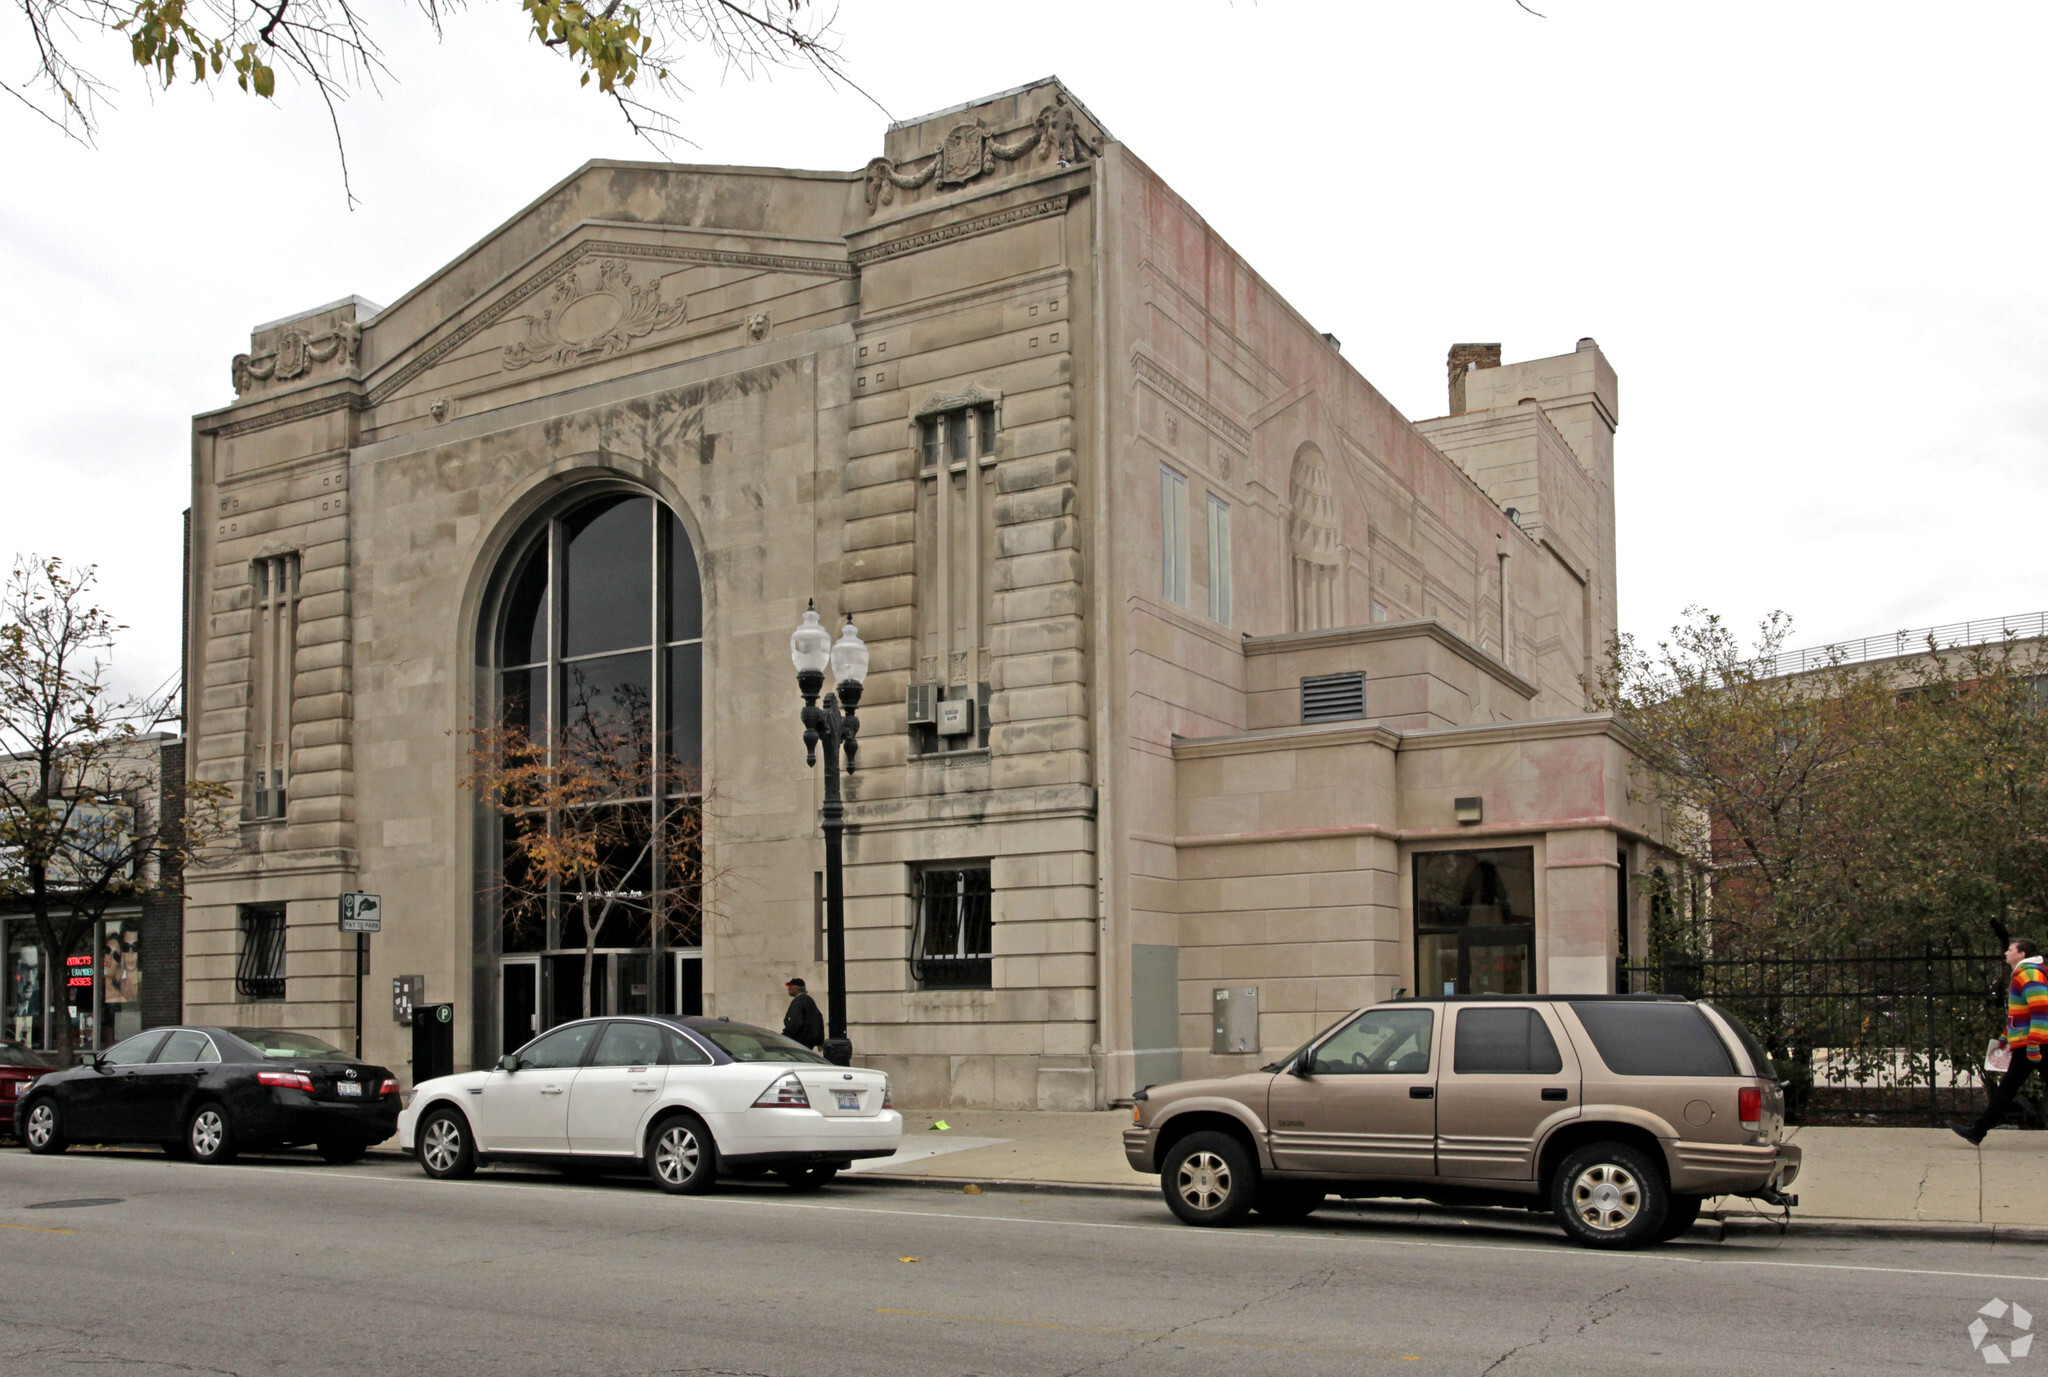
[[1617, 1113]]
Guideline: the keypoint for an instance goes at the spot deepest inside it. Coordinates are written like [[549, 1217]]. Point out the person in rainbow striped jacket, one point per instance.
[[2026, 1033]]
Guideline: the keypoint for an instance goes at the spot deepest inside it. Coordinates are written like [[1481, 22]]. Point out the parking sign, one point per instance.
[[362, 913]]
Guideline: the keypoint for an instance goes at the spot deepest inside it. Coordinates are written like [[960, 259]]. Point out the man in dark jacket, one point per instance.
[[803, 1023]]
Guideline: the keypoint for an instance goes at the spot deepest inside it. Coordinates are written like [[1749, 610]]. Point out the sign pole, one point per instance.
[[362, 957]]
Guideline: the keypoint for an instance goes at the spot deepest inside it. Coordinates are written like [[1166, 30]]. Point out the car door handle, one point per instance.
[[643, 1090], [1556, 1092], [551, 1090], [1421, 1092]]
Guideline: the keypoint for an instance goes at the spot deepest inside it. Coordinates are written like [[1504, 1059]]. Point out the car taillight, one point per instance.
[[286, 1080], [787, 1093], [888, 1096], [390, 1087], [1749, 1107]]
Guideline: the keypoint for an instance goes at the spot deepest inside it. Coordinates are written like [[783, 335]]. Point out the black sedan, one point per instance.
[[208, 1093]]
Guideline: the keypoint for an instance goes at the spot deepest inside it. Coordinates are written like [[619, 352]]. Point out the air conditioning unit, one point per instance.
[[919, 703], [956, 717]]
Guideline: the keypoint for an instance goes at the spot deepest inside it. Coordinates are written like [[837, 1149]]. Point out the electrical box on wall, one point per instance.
[[956, 717], [1236, 1025]]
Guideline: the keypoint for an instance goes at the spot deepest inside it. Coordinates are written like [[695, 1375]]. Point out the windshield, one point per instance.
[[281, 1044], [744, 1042], [14, 1054], [1295, 1055]]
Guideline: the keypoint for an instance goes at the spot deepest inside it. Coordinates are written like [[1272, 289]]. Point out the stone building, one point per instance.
[[1197, 668]]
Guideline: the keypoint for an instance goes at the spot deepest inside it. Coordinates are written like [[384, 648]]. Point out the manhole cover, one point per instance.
[[76, 1204]]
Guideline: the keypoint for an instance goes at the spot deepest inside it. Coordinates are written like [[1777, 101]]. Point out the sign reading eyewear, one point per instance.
[[362, 913]]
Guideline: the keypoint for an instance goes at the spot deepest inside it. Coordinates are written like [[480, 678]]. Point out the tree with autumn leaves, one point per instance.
[[87, 822]]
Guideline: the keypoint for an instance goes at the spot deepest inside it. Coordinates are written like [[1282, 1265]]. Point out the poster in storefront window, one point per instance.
[[120, 983], [25, 989]]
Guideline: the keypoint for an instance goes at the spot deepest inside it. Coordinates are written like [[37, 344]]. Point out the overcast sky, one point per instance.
[[1809, 237]]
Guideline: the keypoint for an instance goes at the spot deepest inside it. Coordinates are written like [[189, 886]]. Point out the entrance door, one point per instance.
[[1512, 1074], [1366, 1106], [689, 982], [518, 1004]]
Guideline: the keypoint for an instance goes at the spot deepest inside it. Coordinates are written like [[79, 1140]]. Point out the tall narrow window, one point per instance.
[[1173, 537], [259, 966], [953, 946], [956, 446], [276, 612], [1219, 559]]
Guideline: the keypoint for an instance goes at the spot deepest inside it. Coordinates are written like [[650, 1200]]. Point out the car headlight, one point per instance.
[[405, 1098]]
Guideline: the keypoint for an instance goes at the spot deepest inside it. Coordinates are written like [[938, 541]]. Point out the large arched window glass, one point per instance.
[[594, 650]]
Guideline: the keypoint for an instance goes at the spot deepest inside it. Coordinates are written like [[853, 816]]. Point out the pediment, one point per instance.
[[602, 296]]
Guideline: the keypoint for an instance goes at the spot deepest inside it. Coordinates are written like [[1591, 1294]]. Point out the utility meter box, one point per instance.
[[433, 1041], [956, 717], [1235, 1027]]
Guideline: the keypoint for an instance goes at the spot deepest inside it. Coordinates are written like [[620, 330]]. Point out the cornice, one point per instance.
[[1148, 370], [1431, 627], [961, 229], [1264, 740], [350, 400]]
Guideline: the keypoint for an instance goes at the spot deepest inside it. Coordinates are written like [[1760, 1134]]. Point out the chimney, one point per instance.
[[1463, 359]]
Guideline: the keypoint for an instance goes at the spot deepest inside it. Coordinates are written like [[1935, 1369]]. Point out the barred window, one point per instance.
[[957, 434], [259, 969], [276, 582], [952, 948]]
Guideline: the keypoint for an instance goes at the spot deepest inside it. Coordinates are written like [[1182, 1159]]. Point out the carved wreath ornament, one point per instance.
[[295, 355], [970, 151], [593, 322]]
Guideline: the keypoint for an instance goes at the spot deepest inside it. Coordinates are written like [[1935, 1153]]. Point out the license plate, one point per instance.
[[848, 1099], [349, 1088]]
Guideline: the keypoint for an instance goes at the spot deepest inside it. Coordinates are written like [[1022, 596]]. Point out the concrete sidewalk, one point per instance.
[[1905, 1177]]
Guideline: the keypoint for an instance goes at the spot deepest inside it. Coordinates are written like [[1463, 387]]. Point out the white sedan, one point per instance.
[[690, 1098]]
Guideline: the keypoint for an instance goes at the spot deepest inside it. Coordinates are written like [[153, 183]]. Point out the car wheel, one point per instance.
[[1610, 1195], [1679, 1216], [1281, 1200], [209, 1137], [445, 1150], [1209, 1179], [43, 1131], [681, 1158], [806, 1178], [341, 1151]]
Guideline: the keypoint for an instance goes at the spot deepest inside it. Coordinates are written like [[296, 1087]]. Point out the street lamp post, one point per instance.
[[833, 722]]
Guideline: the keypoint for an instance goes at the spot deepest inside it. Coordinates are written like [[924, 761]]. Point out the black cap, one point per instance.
[[795, 980]]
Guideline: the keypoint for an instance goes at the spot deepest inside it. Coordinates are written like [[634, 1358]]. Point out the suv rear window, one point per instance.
[[1758, 1057], [1655, 1040], [1504, 1041]]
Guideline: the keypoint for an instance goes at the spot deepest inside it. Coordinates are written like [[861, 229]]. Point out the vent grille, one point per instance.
[[1332, 697]]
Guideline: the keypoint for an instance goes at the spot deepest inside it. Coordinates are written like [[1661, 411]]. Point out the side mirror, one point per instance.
[[1302, 1067], [98, 1059], [508, 1062]]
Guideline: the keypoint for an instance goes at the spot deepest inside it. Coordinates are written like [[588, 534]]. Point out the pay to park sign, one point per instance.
[[362, 913]]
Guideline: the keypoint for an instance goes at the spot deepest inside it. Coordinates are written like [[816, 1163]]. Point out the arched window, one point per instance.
[[593, 645]]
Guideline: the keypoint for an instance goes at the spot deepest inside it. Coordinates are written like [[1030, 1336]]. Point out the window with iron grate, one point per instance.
[[951, 948], [259, 968], [1332, 697]]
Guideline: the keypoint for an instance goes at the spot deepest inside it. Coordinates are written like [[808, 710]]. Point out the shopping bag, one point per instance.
[[1998, 1057]]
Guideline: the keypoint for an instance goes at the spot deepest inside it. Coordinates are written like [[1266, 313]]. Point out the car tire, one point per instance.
[[210, 1135], [42, 1132], [1283, 1200], [806, 1178], [681, 1156], [1610, 1195], [1679, 1216], [1209, 1179], [444, 1145], [339, 1152]]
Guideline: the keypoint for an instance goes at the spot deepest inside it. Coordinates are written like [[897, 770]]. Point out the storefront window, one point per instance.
[[27, 987], [1475, 922]]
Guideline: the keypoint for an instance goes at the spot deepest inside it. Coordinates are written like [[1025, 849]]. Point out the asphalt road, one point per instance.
[[293, 1267]]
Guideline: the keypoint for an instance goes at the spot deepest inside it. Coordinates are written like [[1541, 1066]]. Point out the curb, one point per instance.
[[1717, 1228]]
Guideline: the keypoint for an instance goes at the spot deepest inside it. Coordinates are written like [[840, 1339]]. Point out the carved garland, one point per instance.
[[594, 322], [295, 355], [970, 151]]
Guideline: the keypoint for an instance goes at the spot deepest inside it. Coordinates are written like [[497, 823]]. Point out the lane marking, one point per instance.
[[1146, 1334], [33, 1229], [1214, 1235]]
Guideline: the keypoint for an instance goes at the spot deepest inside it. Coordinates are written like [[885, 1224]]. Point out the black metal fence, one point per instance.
[[1861, 1038]]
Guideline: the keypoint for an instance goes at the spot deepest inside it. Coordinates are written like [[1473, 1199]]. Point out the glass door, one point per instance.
[[518, 1003], [689, 981]]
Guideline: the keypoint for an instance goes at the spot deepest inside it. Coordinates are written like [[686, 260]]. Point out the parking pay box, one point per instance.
[[433, 1041], [1235, 1027]]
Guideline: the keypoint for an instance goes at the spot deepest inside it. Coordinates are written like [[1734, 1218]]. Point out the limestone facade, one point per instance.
[[1010, 404]]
